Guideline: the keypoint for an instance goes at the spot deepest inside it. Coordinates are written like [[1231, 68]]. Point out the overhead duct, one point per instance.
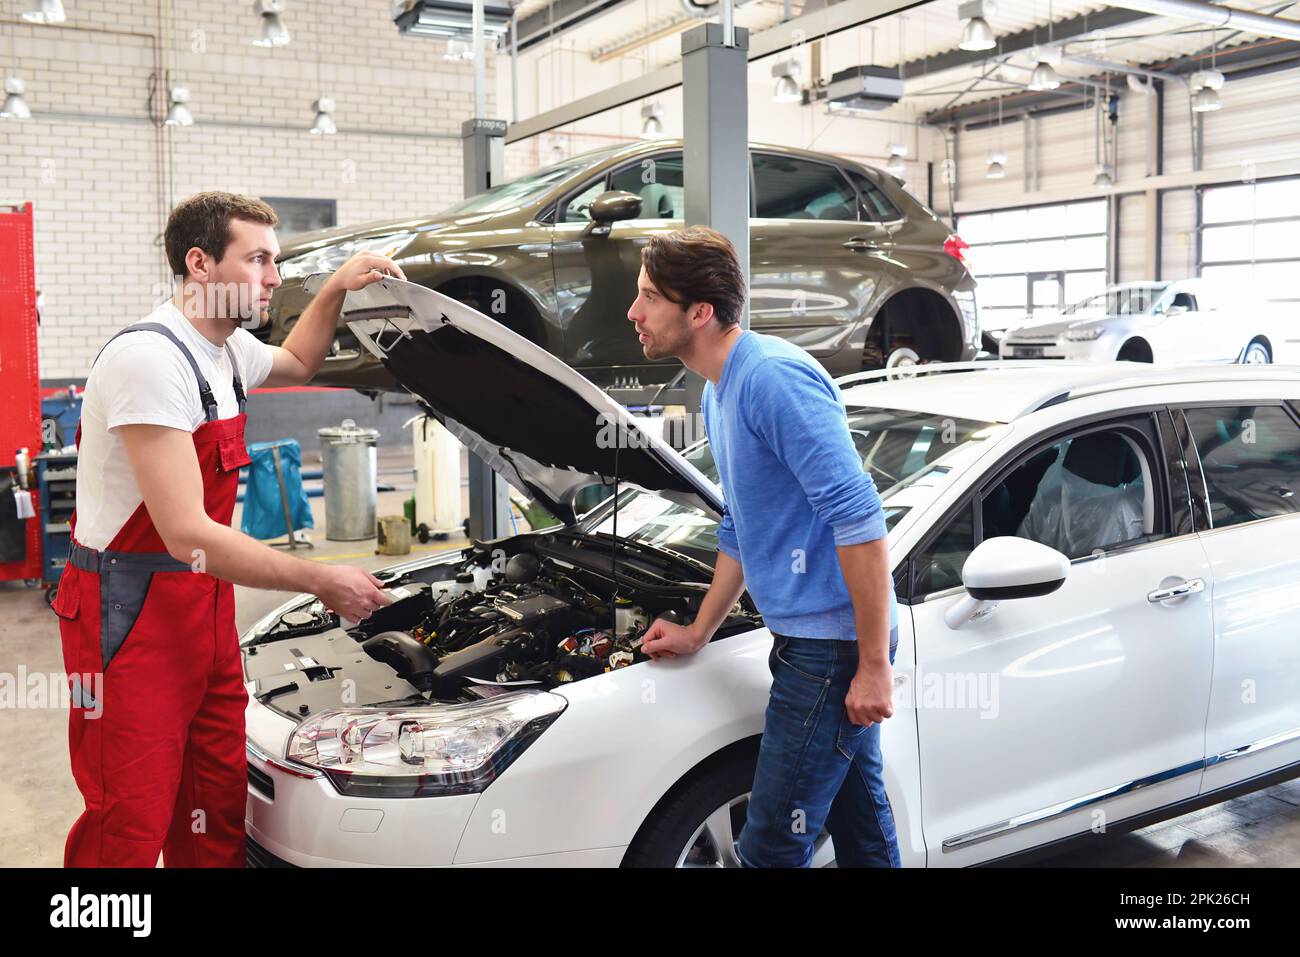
[[1216, 16], [450, 19], [864, 89]]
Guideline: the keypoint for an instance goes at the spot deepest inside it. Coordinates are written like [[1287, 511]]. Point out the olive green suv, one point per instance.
[[843, 262]]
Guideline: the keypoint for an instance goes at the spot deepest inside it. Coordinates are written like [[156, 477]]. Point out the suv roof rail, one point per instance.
[[1235, 372], [942, 368]]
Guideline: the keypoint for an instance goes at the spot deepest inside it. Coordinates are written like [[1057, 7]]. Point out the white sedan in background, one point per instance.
[[1091, 562], [1163, 322]]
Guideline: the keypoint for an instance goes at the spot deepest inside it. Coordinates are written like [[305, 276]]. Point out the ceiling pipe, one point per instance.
[[1216, 16]]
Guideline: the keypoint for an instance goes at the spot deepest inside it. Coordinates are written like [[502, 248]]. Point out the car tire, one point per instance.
[[663, 839], [677, 834], [1257, 353], [1135, 350], [902, 357]]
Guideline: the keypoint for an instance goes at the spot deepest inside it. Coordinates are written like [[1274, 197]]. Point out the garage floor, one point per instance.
[[38, 801]]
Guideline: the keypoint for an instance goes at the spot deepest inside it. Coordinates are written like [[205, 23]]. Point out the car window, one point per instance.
[[788, 188], [658, 181], [873, 205], [577, 209], [1251, 459], [1184, 299], [1082, 494], [938, 566], [911, 456]]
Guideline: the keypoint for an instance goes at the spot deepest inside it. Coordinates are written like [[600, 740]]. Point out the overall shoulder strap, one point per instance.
[[205, 392], [237, 381]]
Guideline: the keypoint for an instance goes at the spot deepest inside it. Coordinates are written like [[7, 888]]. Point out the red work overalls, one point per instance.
[[159, 757]]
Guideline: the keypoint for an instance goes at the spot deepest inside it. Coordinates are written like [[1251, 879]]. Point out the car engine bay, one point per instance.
[[536, 611]]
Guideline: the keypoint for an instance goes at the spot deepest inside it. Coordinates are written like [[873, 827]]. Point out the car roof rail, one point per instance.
[[1235, 372], [942, 368]]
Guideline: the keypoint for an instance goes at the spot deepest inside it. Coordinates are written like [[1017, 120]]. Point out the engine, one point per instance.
[[540, 613]]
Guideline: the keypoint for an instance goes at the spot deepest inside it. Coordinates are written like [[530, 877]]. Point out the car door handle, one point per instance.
[[859, 244], [1191, 587]]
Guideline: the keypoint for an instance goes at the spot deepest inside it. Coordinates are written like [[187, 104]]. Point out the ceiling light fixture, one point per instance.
[[274, 33], [1045, 77], [324, 124], [977, 35], [178, 114], [997, 165], [49, 11], [787, 85], [15, 107], [895, 166], [652, 120], [1205, 84]]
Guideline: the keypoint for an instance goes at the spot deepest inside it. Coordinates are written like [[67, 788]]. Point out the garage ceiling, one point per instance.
[[924, 39]]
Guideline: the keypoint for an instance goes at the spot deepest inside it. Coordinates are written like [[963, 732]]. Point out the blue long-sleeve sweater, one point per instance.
[[793, 483]]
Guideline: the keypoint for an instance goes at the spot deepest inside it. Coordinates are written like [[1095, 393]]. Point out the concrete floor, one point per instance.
[[38, 801]]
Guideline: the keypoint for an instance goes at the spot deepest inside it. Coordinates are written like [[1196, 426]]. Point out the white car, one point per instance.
[[1163, 322], [1123, 647]]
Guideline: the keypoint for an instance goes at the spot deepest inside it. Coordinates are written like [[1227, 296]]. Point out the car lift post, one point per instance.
[[483, 142], [715, 72]]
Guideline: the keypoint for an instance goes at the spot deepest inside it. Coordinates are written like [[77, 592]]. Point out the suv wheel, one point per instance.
[[902, 356]]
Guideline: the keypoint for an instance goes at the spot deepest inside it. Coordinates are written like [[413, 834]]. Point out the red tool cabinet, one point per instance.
[[20, 394]]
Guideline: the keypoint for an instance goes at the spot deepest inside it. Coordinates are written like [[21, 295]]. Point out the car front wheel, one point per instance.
[[1256, 354], [699, 826]]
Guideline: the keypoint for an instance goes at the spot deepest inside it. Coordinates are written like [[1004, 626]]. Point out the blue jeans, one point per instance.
[[815, 767]]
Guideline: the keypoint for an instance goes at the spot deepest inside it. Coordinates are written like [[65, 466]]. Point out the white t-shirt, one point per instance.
[[143, 379]]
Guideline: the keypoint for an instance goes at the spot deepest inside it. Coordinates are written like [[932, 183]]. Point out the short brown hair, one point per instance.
[[203, 220], [697, 265]]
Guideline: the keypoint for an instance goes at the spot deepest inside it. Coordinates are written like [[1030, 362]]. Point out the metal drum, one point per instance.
[[350, 472]]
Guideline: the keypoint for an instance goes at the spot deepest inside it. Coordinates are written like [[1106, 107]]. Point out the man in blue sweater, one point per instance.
[[804, 527]]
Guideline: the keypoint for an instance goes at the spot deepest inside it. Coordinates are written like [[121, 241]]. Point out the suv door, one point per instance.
[[816, 259], [1050, 716], [1245, 479], [595, 275]]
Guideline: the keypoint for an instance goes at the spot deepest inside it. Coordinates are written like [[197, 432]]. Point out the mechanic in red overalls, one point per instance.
[[146, 603]]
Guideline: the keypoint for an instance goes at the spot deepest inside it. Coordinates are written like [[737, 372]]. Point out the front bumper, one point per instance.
[[1094, 350], [302, 821]]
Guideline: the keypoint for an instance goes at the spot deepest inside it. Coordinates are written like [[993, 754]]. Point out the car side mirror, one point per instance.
[[612, 207], [1176, 310], [1004, 568]]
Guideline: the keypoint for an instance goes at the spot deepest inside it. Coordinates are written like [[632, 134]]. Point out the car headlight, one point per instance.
[[329, 258], [426, 751], [1086, 334]]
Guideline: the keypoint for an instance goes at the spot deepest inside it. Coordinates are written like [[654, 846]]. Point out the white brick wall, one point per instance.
[[102, 177]]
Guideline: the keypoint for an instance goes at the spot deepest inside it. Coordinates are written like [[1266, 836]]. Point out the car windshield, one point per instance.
[[526, 189], [1128, 301], [911, 457]]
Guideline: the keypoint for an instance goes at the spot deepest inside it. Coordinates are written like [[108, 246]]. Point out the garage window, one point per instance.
[[1035, 260], [1248, 235], [789, 188]]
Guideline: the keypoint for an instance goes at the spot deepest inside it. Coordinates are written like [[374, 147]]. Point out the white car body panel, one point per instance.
[[1256, 692], [1097, 686]]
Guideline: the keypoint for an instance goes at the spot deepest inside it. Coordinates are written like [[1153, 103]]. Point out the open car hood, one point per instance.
[[536, 422]]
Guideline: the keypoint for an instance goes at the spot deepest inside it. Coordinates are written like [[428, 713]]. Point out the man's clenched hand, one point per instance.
[[362, 270], [870, 697], [353, 593], [666, 639]]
